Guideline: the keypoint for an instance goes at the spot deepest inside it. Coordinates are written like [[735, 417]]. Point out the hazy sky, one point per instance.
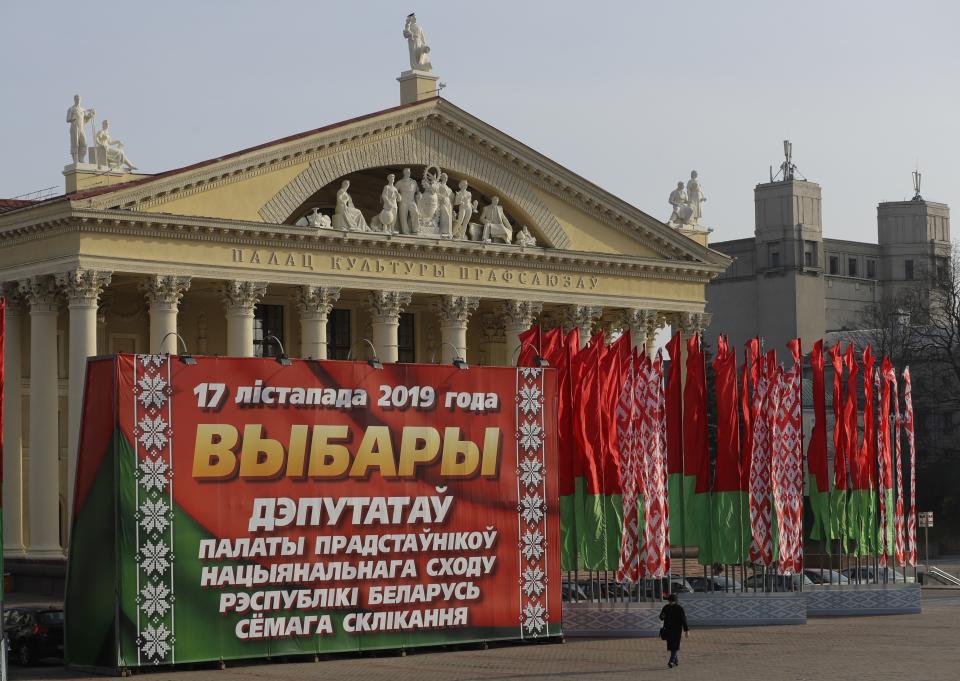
[[631, 95]]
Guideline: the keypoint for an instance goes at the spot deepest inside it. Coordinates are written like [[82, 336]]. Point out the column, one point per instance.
[[315, 303], [454, 312], [41, 293], [12, 439], [518, 316], [385, 308], [494, 339], [82, 288], [164, 292], [239, 299], [583, 317], [643, 325]]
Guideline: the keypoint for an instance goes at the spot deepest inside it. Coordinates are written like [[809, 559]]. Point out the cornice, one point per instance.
[[260, 235]]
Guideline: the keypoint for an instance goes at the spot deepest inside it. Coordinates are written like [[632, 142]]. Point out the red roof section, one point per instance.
[[283, 140], [7, 205]]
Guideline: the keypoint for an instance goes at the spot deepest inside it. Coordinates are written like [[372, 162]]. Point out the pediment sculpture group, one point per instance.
[[426, 208]]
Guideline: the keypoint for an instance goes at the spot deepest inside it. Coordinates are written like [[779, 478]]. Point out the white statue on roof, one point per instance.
[[110, 151], [77, 117], [695, 197], [417, 44]]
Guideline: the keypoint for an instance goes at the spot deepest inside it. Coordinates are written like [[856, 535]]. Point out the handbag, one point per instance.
[[663, 634]]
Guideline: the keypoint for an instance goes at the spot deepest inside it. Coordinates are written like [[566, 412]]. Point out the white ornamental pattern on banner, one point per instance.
[[153, 496], [531, 504], [881, 475], [656, 539], [911, 442], [764, 409], [787, 465], [899, 548], [628, 568]]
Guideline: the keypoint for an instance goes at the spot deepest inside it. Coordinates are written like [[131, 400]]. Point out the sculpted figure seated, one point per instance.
[[525, 238], [346, 216], [496, 227]]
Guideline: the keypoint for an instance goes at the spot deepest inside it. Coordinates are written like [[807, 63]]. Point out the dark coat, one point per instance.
[[674, 624]]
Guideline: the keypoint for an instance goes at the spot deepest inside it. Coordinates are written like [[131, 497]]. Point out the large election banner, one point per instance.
[[240, 508]]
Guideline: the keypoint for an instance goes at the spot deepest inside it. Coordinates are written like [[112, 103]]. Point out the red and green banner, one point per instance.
[[679, 535], [730, 520], [696, 456], [239, 508], [818, 473], [560, 356], [838, 497]]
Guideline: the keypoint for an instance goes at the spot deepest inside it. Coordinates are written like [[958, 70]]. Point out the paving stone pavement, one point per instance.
[[903, 648]]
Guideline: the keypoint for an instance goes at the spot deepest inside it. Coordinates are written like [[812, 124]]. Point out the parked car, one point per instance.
[[886, 575], [826, 576], [716, 583], [34, 633], [772, 582]]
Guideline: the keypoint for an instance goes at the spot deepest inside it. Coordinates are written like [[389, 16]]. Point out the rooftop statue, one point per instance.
[[681, 208], [695, 197], [110, 151], [409, 213], [77, 117], [417, 44], [318, 220]]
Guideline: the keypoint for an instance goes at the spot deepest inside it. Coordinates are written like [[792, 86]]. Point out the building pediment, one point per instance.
[[276, 182]]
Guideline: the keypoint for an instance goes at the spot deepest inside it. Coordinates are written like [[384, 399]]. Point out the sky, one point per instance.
[[630, 95]]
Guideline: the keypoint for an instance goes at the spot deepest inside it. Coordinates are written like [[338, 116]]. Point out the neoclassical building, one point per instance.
[[249, 253]]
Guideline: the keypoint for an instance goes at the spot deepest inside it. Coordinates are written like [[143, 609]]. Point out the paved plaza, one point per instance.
[[904, 648]]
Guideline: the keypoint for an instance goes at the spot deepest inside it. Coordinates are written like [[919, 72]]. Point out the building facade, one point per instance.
[[261, 252], [789, 281]]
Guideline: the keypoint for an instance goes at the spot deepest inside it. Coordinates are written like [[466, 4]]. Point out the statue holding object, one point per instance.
[[417, 44]]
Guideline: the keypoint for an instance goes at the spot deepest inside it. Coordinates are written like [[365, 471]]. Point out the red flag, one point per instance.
[[530, 343], [817, 449], [560, 357], [866, 469], [696, 458], [610, 376], [884, 462], [674, 408], [727, 477], [585, 413], [839, 424], [908, 424], [850, 417]]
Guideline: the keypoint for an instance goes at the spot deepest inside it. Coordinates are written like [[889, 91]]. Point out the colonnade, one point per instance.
[[38, 299]]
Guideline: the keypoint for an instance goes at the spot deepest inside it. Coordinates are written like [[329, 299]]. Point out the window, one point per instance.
[[908, 269], [852, 267], [406, 342], [943, 271], [774, 258], [871, 269], [338, 334], [267, 321], [809, 254], [834, 264]]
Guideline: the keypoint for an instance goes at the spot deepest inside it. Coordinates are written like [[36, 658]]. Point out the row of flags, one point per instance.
[[862, 503], [637, 473]]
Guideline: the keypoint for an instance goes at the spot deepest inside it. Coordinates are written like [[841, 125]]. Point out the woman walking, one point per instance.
[[674, 624]]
